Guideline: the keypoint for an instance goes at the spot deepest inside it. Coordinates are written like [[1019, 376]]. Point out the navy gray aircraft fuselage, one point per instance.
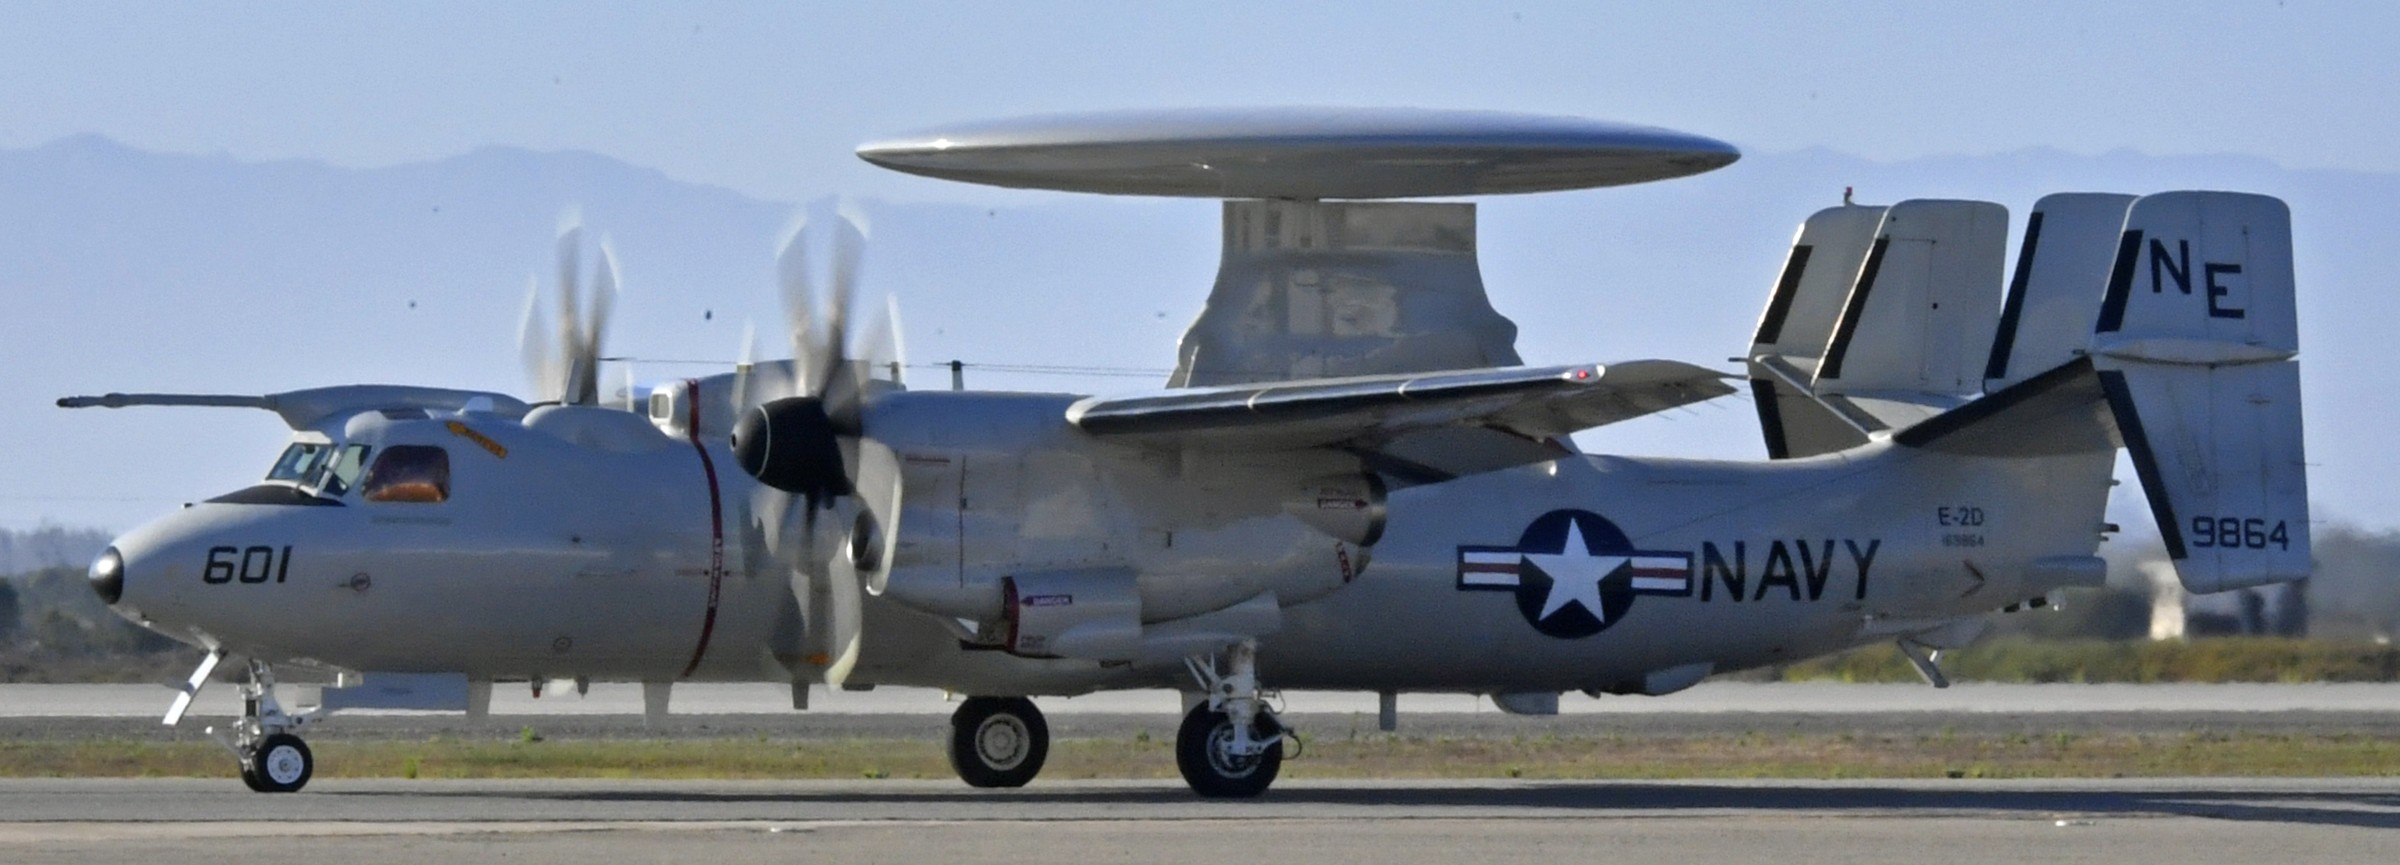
[[1346, 491]]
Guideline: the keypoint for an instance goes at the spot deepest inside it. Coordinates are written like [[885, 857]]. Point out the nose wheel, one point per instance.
[[998, 741], [281, 763]]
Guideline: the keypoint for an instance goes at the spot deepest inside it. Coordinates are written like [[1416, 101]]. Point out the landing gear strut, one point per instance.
[[998, 741], [1230, 746], [272, 758]]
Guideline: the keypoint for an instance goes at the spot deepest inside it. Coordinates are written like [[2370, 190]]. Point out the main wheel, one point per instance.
[[998, 741], [281, 764], [1203, 751]]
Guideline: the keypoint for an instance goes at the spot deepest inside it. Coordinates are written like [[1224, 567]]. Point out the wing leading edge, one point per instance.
[[1433, 425]]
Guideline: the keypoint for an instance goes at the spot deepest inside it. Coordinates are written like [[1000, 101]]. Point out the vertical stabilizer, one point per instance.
[[2194, 343], [1798, 321], [1883, 318], [2062, 268], [1920, 318]]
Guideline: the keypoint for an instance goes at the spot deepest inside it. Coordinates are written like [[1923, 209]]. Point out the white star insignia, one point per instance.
[[1575, 574]]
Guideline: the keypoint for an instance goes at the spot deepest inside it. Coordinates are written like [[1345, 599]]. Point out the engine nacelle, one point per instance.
[[1076, 614], [1350, 508]]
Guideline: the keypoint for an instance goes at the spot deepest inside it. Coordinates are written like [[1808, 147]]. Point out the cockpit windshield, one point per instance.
[[335, 476], [299, 462]]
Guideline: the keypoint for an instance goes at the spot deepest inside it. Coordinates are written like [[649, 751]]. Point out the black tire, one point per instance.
[[998, 741], [1212, 773], [280, 764], [250, 779]]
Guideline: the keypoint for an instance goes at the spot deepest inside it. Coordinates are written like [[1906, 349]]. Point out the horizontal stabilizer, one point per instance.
[[2063, 411]]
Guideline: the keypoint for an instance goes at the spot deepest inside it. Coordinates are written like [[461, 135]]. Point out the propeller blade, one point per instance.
[[892, 336], [842, 586], [836, 330], [533, 343], [570, 315], [742, 370], [879, 489], [881, 357], [799, 303], [839, 380], [584, 385]]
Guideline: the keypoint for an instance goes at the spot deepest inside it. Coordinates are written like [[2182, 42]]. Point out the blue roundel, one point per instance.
[[1573, 573]]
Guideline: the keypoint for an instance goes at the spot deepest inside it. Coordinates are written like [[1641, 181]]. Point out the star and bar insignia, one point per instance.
[[1573, 573]]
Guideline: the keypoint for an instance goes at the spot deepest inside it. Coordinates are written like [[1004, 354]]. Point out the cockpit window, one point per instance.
[[334, 476], [298, 461], [409, 473]]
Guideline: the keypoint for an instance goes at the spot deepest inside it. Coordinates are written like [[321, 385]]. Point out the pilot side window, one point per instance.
[[409, 473]]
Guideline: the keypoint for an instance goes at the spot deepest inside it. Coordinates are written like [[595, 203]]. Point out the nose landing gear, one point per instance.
[[272, 758]]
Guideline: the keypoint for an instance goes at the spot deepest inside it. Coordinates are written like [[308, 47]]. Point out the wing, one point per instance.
[[1423, 426]]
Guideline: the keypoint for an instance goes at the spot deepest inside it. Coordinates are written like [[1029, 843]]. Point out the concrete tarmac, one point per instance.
[[2182, 821]]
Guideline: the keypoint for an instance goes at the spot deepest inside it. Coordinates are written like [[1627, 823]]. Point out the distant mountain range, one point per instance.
[[129, 270]]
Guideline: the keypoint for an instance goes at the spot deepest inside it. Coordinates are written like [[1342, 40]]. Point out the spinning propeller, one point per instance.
[[806, 435], [567, 369]]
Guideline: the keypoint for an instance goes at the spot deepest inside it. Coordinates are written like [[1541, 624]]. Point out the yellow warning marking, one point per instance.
[[463, 431]]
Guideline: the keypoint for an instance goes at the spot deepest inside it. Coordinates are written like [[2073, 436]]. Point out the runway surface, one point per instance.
[[708, 698], [2187, 821]]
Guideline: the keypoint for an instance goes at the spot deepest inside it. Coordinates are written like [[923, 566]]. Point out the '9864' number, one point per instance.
[[2240, 533]]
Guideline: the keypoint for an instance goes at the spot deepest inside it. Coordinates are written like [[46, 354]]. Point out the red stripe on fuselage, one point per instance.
[[716, 531]]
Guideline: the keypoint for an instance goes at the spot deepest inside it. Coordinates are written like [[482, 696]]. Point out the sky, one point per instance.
[[769, 99]]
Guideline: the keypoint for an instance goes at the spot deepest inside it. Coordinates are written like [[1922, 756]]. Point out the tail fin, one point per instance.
[[2189, 366], [1893, 329], [1798, 321], [2195, 344], [2070, 243]]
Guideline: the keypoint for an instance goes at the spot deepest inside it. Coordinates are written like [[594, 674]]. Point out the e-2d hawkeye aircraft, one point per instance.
[[1351, 482]]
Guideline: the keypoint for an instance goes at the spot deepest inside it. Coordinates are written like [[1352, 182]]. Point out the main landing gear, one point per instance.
[[1230, 746], [998, 741]]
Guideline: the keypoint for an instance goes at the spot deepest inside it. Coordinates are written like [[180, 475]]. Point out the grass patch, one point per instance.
[[1749, 755], [2019, 660]]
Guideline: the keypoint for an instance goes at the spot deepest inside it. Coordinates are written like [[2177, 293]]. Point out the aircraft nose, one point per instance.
[[108, 576]]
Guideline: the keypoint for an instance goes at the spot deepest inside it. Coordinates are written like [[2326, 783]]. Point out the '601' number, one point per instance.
[[247, 564], [2239, 533]]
